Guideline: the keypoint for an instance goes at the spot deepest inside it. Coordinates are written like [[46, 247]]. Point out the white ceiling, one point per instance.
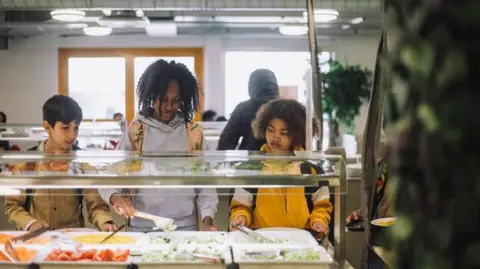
[[357, 5]]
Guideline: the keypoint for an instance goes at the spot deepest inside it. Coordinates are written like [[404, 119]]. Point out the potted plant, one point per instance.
[[435, 67], [345, 88]]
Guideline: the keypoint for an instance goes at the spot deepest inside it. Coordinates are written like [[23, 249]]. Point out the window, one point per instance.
[[103, 81], [98, 85]]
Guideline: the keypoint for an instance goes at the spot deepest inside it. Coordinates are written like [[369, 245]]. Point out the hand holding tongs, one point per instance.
[[255, 236]]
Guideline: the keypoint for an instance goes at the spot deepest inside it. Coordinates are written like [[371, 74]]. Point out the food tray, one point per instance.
[[18, 233], [180, 264], [181, 237], [295, 236], [141, 239], [325, 261], [7, 264], [41, 255]]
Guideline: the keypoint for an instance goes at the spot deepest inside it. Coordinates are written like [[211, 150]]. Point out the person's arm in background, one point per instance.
[[235, 128], [241, 208], [207, 202], [121, 206]]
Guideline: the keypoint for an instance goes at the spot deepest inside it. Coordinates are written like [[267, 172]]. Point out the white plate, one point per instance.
[[383, 222]]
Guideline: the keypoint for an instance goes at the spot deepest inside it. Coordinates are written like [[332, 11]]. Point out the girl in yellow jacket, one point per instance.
[[282, 124]]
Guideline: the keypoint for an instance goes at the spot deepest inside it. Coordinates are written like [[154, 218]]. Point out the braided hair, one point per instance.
[[154, 82]]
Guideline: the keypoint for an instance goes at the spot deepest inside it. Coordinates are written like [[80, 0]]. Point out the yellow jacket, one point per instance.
[[59, 208], [282, 207]]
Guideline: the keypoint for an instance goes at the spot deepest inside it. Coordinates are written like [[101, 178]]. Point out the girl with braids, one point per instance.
[[168, 97]]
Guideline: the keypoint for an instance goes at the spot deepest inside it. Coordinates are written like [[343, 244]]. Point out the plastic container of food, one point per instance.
[[80, 260], [188, 238], [259, 256], [182, 256], [119, 240]]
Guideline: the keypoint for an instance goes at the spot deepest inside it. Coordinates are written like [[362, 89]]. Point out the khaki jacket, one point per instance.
[[60, 208]]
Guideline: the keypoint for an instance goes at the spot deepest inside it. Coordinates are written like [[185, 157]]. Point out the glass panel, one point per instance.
[[98, 85], [157, 169], [141, 64]]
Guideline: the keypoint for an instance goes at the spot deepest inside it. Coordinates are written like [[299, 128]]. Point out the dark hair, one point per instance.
[[117, 114], [221, 118], [291, 112], [4, 117], [154, 82], [61, 108], [208, 115]]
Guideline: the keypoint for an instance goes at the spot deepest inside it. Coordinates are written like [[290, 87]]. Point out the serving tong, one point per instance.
[[112, 234], [255, 236]]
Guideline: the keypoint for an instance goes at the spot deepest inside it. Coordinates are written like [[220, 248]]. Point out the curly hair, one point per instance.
[[291, 112], [154, 82]]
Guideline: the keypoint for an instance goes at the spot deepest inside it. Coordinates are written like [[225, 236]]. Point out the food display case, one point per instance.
[[95, 135], [288, 248], [91, 135]]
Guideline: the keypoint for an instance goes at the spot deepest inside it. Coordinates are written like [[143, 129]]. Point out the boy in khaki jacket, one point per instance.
[[57, 208]]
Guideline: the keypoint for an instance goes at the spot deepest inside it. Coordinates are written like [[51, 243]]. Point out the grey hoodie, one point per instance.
[[180, 204]]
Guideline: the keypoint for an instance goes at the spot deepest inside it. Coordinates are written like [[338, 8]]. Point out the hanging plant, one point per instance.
[[345, 88], [435, 68]]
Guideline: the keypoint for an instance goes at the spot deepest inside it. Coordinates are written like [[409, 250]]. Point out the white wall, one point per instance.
[[29, 69]]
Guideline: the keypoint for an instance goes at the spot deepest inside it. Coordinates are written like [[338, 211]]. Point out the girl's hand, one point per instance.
[[240, 220], [320, 227]]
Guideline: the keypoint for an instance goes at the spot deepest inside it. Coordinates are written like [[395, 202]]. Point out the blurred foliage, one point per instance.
[[435, 68], [345, 88]]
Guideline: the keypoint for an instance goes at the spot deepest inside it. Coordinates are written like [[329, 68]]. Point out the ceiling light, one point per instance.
[[293, 30], [155, 29], [346, 26], [323, 15], [97, 31], [357, 20], [68, 15]]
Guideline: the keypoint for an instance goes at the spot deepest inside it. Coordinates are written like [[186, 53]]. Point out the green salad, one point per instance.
[[286, 255], [211, 239]]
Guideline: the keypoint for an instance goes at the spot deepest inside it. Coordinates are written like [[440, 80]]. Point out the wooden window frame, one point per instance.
[[129, 54]]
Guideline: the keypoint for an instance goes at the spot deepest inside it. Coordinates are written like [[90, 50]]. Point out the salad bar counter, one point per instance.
[[74, 248], [71, 249]]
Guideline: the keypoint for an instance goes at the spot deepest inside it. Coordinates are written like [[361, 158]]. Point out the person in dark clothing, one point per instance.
[[4, 145], [209, 115], [262, 87]]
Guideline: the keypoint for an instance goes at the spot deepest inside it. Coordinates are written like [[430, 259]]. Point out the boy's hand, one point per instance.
[[108, 227], [37, 225], [240, 220], [208, 225], [320, 227], [122, 205]]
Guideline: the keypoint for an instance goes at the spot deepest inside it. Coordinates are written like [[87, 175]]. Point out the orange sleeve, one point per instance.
[[321, 212], [241, 209]]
